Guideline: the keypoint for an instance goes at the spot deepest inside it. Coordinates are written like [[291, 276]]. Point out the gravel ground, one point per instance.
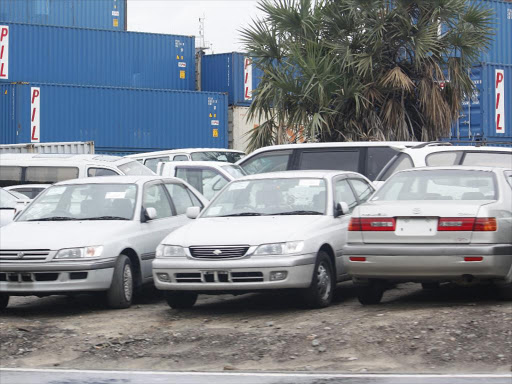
[[451, 329]]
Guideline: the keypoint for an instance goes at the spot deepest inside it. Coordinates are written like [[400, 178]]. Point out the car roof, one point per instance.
[[318, 174], [447, 148], [64, 157], [183, 150], [458, 167], [121, 179], [202, 163]]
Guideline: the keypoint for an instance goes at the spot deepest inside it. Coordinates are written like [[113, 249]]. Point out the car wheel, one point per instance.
[[120, 293], [4, 301], [371, 293], [181, 299], [430, 285], [319, 294]]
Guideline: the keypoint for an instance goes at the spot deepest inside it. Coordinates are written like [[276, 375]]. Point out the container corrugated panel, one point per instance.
[[118, 120], [96, 14], [232, 73], [487, 114], [500, 50], [73, 147], [98, 57]]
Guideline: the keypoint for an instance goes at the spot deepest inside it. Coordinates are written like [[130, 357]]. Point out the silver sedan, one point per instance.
[[433, 225]]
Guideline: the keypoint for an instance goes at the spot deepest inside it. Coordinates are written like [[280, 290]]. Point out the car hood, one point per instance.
[[56, 235], [253, 230]]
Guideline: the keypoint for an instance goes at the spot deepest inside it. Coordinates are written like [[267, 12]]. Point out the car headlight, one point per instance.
[[169, 251], [280, 248], [80, 253]]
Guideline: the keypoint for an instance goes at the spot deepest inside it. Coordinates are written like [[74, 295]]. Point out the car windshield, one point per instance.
[[230, 157], [83, 202], [438, 185], [7, 200], [234, 170], [135, 168], [267, 197]]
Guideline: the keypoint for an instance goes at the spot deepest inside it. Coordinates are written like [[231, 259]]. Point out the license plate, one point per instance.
[[416, 227]]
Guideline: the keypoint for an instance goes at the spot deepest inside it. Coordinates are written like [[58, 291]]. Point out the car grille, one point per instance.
[[23, 255], [219, 277], [222, 252]]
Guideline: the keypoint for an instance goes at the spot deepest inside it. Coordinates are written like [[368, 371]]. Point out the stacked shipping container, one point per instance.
[[128, 92]]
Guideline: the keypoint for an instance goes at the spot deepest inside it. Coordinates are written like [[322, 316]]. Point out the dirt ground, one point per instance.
[[452, 329]]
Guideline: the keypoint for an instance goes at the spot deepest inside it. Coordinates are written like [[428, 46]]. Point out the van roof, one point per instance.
[[61, 157], [183, 150]]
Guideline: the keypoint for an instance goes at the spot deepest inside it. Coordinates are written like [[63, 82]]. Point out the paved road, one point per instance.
[[61, 376]]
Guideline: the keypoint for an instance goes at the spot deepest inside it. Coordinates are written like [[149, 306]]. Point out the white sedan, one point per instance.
[[92, 235], [266, 231]]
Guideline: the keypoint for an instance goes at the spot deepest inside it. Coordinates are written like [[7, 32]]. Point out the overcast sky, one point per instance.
[[181, 17]]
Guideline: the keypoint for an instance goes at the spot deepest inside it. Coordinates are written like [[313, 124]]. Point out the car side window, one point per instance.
[[362, 188], [377, 158], [508, 175], [153, 162], [398, 163], [95, 172], [180, 158], [155, 197], [445, 158], [343, 192], [330, 159], [488, 159], [180, 197], [207, 181], [271, 161]]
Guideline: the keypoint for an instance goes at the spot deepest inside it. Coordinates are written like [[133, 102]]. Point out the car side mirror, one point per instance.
[[341, 209], [150, 214], [193, 212]]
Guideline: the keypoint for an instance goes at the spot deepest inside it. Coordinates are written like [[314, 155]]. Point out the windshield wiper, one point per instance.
[[243, 214], [106, 218], [55, 218], [297, 213]]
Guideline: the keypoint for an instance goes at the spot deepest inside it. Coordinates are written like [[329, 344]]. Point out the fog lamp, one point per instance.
[[278, 275], [163, 277]]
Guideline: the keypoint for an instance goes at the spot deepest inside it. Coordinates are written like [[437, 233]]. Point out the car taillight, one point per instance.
[[373, 224], [467, 224], [485, 224]]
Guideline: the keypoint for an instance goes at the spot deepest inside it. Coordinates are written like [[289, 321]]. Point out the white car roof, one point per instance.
[[183, 150], [446, 148], [322, 174], [121, 179], [457, 167], [213, 164], [38, 157]]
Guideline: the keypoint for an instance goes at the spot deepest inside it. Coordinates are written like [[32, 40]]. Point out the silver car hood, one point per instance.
[[252, 230], [56, 235]]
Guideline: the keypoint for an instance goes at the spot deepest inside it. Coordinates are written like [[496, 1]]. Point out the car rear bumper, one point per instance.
[[249, 274], [54, 278], [429, 262]]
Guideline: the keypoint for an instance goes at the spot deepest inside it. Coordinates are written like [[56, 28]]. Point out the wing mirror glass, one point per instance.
[[150, 213], [193, 212], [341, 209]]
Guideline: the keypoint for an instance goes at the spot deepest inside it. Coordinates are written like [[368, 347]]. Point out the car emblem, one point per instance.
[[416, 211], [217, 252], [20, 255]]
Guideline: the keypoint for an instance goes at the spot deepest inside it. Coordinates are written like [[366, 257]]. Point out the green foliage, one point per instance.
[[337, 70]]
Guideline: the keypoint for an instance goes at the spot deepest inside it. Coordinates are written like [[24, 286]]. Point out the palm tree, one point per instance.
[[337, 70]]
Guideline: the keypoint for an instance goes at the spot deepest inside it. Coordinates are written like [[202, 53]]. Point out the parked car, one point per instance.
[[433, 225], [208, 177], [9, 205], [30, 191], [92, 235], [151, 159], [16, 169], [365, 157], [444, 154], [267, 231]]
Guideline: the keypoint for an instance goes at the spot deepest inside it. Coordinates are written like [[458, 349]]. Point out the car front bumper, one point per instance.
[[245, 274], [429, 262], [55, 277]]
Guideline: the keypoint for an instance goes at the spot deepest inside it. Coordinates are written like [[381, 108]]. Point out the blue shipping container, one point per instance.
[[232, 73], [62, 55], [487, 114], [500, 50], [119, 120], [96, 14]]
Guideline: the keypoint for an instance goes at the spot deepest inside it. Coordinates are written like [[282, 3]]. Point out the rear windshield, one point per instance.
[[135, 168], [438, 185], [230, 157]]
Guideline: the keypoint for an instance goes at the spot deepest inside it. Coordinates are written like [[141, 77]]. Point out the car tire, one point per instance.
[[120, 293], [319, 294], [371, 293], [430, 285], [4, 301], [181, 299]]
